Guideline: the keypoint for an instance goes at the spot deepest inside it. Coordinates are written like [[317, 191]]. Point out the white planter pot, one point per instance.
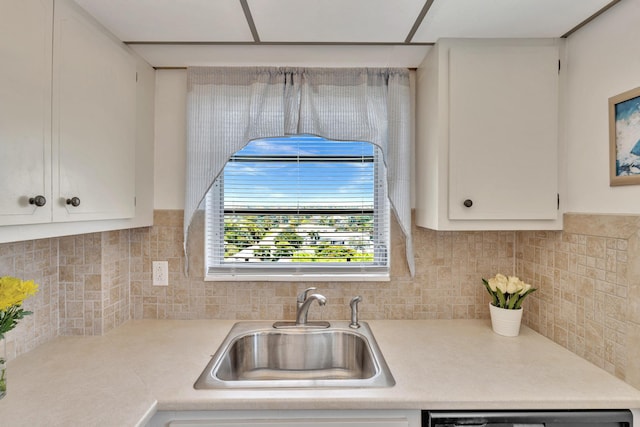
[[505, 322]]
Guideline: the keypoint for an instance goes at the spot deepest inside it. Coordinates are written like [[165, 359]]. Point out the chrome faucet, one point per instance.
[[303, 309], [354, 312], [303, 303], [302, 297]]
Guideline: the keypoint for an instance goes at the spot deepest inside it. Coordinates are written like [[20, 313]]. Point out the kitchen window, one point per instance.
[[299, 205], [232, 108]]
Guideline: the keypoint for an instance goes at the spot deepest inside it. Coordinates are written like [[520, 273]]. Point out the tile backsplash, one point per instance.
[[446, 284], [94, 282], [33, 260], [588, 279]]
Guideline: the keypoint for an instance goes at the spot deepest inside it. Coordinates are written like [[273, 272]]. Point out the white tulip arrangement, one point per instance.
[[507, 292]]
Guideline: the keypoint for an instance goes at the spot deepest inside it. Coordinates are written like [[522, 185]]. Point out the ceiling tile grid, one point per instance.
[[362, 21], [200, 32], [171, 20], [504, 18]]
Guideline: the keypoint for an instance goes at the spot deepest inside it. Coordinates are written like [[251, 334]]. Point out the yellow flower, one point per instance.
[[14, 291]]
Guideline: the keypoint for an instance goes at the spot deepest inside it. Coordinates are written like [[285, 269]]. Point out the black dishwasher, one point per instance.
[[573, 418]]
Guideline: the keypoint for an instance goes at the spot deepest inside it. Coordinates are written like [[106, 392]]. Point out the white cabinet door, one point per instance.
[[487, 135], [94, 112], [503, 132], [295, 422], [25, 110], [289, 418]]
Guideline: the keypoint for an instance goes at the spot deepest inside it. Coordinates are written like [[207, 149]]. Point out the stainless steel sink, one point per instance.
[[256, 355]]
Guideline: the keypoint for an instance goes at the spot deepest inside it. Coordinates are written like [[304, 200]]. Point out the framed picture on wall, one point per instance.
[[624, 138]]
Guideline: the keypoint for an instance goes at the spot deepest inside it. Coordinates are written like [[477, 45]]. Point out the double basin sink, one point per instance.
[[262, 355]]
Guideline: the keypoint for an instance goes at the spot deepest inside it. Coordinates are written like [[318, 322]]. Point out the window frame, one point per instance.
[[214, 240]]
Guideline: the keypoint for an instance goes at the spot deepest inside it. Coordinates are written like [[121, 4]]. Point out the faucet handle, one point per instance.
[[302, 296], [354, 312]]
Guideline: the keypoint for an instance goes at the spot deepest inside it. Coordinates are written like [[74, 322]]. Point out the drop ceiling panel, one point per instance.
[[324, 21], [373, 21], [171, 20], [295, 56], [504, 18]]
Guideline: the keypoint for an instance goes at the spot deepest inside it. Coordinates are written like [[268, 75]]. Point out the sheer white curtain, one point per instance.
[[228, 107]]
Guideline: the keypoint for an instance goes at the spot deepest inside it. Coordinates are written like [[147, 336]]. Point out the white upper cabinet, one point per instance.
[[487, 135], [67, 118], [25, 111], [94, 121]]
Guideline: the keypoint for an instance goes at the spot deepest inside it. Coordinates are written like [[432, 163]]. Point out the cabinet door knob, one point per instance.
[[38, 201], [74, 201], [468, 203]]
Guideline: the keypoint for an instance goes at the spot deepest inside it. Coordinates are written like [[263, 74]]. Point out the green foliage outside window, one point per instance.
[[299, 238]]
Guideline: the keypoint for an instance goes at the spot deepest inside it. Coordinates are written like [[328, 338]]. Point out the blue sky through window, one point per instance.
[[302, 172]]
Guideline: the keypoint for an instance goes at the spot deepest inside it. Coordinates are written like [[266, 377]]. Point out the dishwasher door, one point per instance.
[[577, 418]]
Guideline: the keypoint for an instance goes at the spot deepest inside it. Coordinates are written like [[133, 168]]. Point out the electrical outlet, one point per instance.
[[160, 273]]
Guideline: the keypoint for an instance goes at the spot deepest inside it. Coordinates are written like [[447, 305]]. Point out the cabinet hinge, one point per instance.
[[558, 201], [559, 66]]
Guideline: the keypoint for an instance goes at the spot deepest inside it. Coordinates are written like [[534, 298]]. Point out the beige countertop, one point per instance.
[[122, 378]]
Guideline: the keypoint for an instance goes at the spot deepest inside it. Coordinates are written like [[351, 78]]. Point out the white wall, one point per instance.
[[170, 140], [603, 61]]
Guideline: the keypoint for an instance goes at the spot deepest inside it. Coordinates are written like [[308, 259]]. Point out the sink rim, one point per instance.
[[221, 371], [209, 380]]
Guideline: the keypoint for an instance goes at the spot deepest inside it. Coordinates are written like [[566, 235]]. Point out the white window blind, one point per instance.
[[299, 205]]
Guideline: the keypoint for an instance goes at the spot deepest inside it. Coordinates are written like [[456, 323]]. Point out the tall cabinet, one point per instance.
[[94, 128], [25, 111], [488, 135], [68, 119]]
